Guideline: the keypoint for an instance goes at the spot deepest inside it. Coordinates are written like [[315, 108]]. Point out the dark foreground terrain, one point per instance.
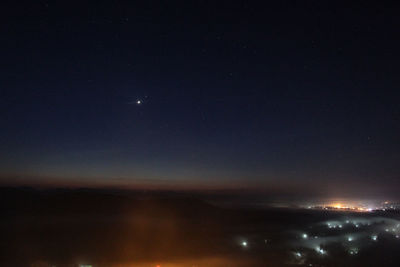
[[98, 228]]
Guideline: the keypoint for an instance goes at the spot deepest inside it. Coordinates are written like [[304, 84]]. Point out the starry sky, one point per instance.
[[292, 95]]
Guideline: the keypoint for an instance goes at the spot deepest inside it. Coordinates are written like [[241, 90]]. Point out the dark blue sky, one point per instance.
[[235, 94]]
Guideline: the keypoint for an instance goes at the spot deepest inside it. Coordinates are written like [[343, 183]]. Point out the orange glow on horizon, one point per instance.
[[338, 206], [346, 207]]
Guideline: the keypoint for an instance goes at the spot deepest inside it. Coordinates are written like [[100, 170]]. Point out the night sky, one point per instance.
[[296, 95]]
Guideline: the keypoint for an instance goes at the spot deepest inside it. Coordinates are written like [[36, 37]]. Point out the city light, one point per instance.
[[353, 251], [320, 250]]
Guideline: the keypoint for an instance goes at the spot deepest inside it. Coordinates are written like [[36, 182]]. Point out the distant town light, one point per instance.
[[353, 251]]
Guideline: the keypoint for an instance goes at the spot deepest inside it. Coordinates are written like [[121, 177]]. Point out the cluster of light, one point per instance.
[[356, 206], [343, 207], [335, 225], [320, 250], [368, 228], [244, 244], [353, 251]]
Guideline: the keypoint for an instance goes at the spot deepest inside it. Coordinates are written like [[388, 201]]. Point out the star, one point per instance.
[[137, 102]]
